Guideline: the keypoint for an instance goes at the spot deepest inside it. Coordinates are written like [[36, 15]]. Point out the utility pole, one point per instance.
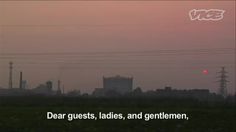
[[10, 74], [223, 82]]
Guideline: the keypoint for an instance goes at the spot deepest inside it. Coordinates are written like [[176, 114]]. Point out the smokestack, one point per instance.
[[20, 81], [59, 87], [10, 74]]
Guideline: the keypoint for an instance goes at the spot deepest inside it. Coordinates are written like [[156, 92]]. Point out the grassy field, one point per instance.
[[29, 114]]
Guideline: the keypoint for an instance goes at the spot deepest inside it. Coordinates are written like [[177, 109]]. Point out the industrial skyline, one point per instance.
[[117, 65], [118, 84], [78, 42], [115, 86]]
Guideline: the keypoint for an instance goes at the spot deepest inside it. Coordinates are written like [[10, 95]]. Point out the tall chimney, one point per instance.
[[10, 74], [59, 87], [21, 80]]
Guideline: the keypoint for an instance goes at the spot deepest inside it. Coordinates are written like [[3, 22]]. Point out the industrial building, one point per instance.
[[116, 85], [119, 84], [42, 89]]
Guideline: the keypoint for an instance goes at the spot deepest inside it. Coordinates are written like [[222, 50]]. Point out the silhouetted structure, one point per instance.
[[74, 93], [119, 84], [223, 82], [24, 84], [63, 89], [20, 83], [10, 74], [200, 94], [44, 89], [114, 86], [59, 87]]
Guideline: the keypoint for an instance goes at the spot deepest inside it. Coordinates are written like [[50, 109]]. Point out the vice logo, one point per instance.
[[207, 15]]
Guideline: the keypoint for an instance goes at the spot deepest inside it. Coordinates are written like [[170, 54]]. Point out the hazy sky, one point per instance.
[[94, 39]]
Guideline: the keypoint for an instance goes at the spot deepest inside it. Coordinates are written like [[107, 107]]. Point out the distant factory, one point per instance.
[[115, 85], [45, 89], [118, 86]]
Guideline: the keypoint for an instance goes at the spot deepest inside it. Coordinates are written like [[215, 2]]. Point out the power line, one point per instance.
[[128, 53]]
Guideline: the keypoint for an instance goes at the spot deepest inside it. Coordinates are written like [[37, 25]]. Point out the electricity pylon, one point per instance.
[[223, 82]]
